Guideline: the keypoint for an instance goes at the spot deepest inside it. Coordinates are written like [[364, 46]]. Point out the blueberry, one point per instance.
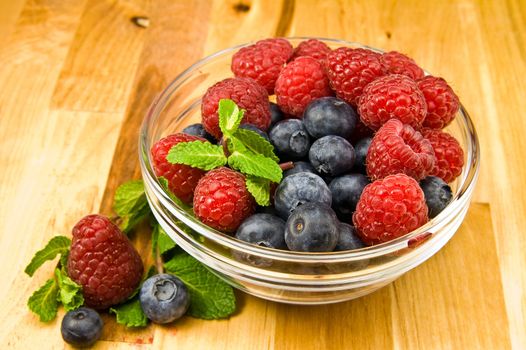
[[199, 130], [346, 191], [276, 114], [332, 155], [361, 147], [255, 129], [290, 138], [81, 327], [164, 298], [438, 194], [298, 189], [348, 239], [264, 230], [313, 227], [329, 116], [300, 166]]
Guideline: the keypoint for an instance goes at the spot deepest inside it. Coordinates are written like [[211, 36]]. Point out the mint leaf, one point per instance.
[[129, 222], [130, 204], [257, 144], [161, 240], [130, 314], [259, 188], [230, 116], [210, 297], [197, 154], [255, 164], [70, 293], [43, 302], [57, 245]]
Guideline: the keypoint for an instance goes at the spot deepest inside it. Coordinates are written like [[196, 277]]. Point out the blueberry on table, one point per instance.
[[256, 130], [164, 298], [198, 130], [348, 239], [332, 155], [438, 194], [360, 148], [346, 191], [312, 227], [81, 327], [290, 139], [276, 114], [300, 166], [329, 116], [298, 189], [264, 230]]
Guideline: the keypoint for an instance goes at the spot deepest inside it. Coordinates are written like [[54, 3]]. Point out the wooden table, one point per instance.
[[77, 77]]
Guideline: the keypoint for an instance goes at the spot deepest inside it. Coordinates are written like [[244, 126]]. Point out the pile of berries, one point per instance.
[[359, 136]]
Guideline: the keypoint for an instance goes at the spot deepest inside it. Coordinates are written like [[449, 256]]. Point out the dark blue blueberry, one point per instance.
[[346, 191], [255, 129], [313, 227], [438, 194], [348, 239], [164, 298], [199, 130], [276, 114], [332, 155], [361, 149], [264, 230], [81, 327], [298, 189], [291, 140], [300, 166], [329, 116]]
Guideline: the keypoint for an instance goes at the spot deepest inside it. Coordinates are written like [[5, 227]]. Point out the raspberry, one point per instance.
[[300, 82], [312, 48], [389, 208], [350, 70], [442, 102], [392, 96], [448, 152], [262, 61], [222, 200], [246, 93], [182, 179], [398, 63], [104, 262], [398, 148]]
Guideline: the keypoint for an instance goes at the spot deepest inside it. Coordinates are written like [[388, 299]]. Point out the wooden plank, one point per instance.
[[9, 12], [101, 64]]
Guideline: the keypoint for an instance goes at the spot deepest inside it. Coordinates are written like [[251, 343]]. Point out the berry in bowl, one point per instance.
[[308, 171]]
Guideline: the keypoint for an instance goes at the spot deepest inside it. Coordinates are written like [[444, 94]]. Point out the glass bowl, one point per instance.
[[285, 276]]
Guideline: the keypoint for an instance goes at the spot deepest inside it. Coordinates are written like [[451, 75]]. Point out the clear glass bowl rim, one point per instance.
[[467, 180]]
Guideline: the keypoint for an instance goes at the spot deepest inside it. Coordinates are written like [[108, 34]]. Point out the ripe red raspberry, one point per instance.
[[350, 70], [182, 179], [300, 82], [448, 152], [262, 61], [222, 200], [398, 148], [104, 262], [398, 63], [246, 93], [392, 96], [390, 208], [442, 102], [312, 48]]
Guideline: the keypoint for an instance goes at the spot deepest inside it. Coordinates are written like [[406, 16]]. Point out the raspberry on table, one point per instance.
[[262, 61], [350, 70], [104, 262], [442, 102], [392, 96], [246, 93], [181, 178], [300, 82], [398, 148], [222, 201], [390, 208], [312, 48], [448, 152], [398, 63]]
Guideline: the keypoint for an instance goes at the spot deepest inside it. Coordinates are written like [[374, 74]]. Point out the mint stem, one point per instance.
[[286, 166], [225, 147]]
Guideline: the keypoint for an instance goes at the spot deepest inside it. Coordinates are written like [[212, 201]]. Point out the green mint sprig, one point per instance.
[[247, 152]]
